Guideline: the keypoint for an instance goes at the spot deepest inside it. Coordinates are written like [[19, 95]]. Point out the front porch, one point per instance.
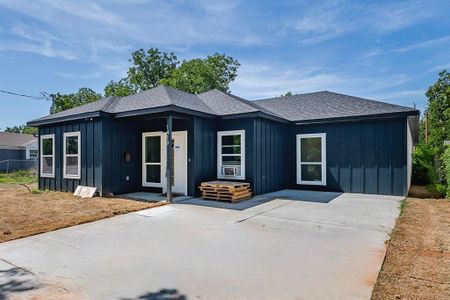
[[149, 148]]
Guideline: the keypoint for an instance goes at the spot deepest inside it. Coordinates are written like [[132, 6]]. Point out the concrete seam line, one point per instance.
[[16, 266]]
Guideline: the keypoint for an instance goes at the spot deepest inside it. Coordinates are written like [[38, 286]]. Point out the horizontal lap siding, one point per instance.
[[91, 156], [364, 157]]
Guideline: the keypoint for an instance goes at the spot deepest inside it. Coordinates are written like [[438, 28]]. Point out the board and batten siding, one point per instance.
[[91, 156], [364, 157], [267, 152], [202, 145]]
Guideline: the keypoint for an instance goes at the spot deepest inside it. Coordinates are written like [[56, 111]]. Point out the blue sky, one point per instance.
[[384, 50]]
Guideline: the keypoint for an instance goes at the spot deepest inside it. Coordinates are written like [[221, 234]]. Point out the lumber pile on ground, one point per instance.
[[225, 190]]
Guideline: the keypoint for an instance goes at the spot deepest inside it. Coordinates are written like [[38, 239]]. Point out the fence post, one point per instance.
[[7, 166]]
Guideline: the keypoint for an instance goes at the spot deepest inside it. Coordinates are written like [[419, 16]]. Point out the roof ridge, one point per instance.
[[368, 100]]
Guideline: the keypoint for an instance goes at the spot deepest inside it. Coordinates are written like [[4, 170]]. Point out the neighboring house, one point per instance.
[[324, 141], [15, 148]]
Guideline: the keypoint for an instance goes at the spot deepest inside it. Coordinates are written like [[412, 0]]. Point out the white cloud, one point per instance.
[[258, 80]]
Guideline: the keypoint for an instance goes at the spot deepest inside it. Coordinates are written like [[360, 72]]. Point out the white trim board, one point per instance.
[[323, 162], [41, 155], [66, 135], [219, 153], [163, 162]]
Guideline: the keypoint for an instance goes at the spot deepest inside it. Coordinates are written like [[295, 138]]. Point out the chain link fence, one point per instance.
[[11, 165]]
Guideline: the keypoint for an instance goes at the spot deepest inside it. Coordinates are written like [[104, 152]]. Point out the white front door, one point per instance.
[[154, 160]]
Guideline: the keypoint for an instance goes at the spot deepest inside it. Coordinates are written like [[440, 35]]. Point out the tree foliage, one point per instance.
[[438, 111], [149, 67], [62, 102], [119, 88], [201, 75], [22, 129]]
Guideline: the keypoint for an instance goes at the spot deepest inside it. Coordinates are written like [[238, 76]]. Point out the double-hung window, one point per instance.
[[72, 155], [231, 154], [311, 159], [48, 155]]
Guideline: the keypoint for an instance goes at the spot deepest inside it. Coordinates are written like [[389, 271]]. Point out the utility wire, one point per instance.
[[42, 95]]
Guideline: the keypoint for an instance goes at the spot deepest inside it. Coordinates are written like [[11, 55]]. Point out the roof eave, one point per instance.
[[69, 118], [359, 117], [162, 109], [254, 114]]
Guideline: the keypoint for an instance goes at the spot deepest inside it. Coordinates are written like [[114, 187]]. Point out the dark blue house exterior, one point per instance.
[[321, 141]]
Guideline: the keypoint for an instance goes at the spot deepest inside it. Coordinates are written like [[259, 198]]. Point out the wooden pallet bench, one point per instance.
[[225, 190]]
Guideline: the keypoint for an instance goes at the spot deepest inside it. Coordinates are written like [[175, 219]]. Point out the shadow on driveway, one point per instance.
[[295, 195], [163, 294], [15, 280]]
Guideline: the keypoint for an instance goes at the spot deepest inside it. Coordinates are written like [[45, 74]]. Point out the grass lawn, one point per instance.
[[24, 176], [23, 213], [417, 264]]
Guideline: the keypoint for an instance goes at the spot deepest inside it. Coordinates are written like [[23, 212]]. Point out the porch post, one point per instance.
[[169, 159]]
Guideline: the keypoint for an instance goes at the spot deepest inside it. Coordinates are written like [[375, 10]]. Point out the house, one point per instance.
[[16, 150], [322, 141]]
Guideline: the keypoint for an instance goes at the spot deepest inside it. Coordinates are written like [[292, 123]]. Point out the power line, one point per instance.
[[42, 95]]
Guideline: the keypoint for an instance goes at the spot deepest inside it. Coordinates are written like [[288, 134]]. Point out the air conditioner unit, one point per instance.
[[231, 171]]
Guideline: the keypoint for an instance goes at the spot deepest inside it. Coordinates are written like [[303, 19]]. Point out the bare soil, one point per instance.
[[23, 213], [417, 264]]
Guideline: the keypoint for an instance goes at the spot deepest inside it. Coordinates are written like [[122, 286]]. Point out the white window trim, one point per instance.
[[52, 137], [323, 163], [65, 136], [219, 153], [162, 159]]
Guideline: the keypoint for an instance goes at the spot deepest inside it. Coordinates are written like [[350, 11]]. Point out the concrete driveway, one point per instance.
[[285, 245]]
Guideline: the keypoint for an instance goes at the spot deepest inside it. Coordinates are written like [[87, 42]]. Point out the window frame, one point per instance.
[[65, 155], [30, 156], [323, 163], [42, 156], [220, 134], [163, 141]]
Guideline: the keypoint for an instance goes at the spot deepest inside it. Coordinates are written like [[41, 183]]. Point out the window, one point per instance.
[[152, 143], [48, 155], [72, 156], [231, 154], [311, 159], [33, 154]]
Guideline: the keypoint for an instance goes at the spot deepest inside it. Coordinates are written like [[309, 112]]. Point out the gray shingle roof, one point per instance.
[[225, 104], [159, 97], [86, 108], [312, 106], [326, 105], [14, 140]]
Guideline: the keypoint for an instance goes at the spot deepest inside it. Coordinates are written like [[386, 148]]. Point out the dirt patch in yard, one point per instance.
[[417, 264], [23, 213]]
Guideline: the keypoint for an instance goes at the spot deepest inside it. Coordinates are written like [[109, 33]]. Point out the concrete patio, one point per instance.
[[284, 245]]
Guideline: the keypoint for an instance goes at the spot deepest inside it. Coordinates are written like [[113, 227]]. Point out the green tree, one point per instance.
[[288, 93], [149, 67], [22, 129], [438, 111], [119, 88], [62, 102], [201, 75]]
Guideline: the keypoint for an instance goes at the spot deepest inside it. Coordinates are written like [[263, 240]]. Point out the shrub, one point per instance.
[[423, 170], [446, 169]]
